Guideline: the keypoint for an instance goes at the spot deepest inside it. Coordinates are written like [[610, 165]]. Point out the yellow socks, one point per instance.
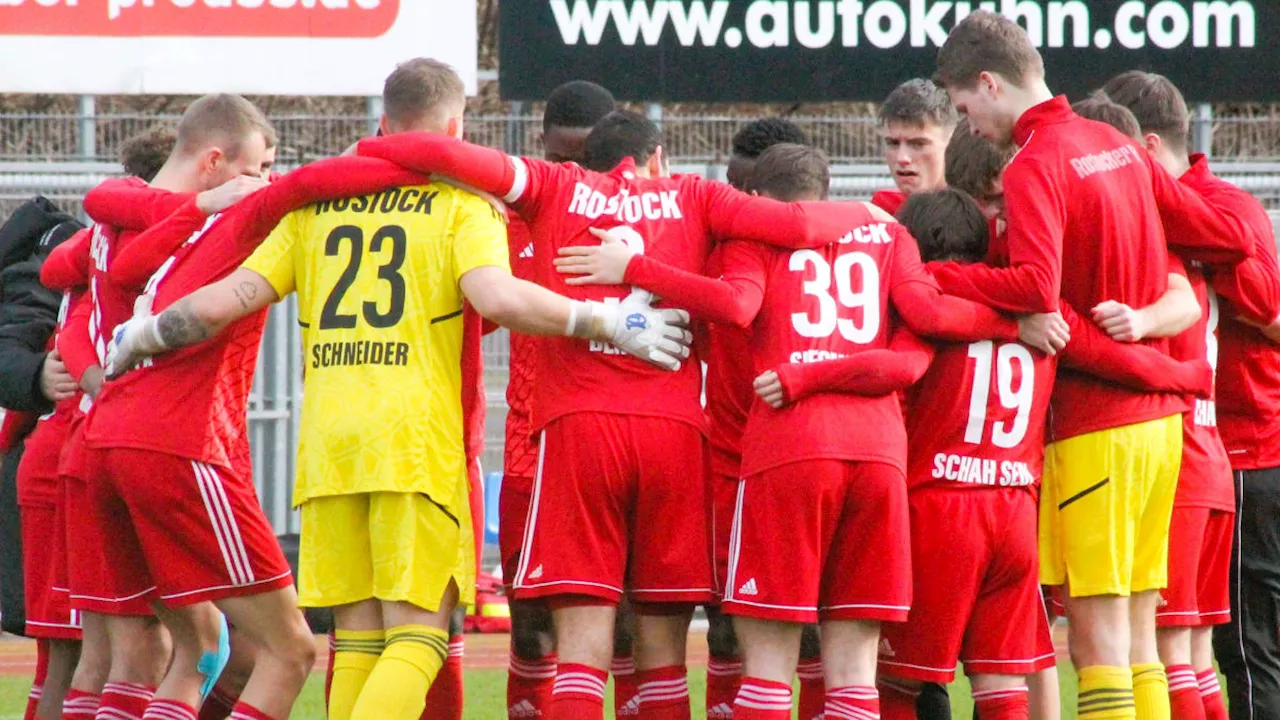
[[355, 652], [1106, 693], [397, 687], [1151, 691]]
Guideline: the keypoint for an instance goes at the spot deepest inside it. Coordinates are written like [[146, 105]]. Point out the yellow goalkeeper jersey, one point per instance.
[[381, 315]]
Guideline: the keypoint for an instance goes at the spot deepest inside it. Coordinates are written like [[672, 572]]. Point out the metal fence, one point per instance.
[[848, 139]]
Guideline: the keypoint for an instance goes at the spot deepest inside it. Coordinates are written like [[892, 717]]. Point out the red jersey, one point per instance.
[[192, 402], [1087, 213], [1205, 478], [821, 304], [889, 200], [520, 459], [561, 202], [1248, 364], [729, 390], [977, 417]]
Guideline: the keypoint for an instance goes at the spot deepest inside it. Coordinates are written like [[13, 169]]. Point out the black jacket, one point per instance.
[[28, 310]]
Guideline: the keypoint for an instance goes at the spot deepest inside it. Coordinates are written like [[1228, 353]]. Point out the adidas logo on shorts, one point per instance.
[[723, 711], [527, 252], [523, 709], [749, 588], [537, 573], [886, 650]]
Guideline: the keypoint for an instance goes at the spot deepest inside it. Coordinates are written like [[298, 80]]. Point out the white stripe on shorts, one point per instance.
[[224, 525]]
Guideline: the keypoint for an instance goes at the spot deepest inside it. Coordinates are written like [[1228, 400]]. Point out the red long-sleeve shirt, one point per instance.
[[1248, 398]]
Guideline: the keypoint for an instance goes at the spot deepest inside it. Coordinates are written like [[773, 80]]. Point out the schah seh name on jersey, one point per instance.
[[981, 471]]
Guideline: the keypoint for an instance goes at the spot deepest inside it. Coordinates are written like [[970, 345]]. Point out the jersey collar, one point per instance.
[[625, 169], [1049, 112], [1199, 170]]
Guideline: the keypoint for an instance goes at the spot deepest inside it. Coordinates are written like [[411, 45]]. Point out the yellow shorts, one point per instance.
[[386, 546], [1105, 506]]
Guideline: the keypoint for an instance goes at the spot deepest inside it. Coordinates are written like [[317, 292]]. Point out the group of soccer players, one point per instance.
[[884, 469]]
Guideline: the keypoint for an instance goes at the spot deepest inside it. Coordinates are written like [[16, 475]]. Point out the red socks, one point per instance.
[[127, 699], [1184, 693], [762, 700], [1009, 704], [444, 697], [723, 679], [578, 693], [169, 710], [249, 712], [664, 693], [37, 685], [626, 698], [898, 702], [854, 702], [80, 705], [529, 685], [1211, 695], [813, 690]]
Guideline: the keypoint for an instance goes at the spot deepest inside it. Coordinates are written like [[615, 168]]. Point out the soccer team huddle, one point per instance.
[[873, 440]]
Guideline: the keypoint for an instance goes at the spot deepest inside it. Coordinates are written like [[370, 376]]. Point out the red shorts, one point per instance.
[[976, 572], [619, 501], [177, 529], [93, 519], [1199, 569], [821, 540], [513, 513], [724, 500], [44, 571]]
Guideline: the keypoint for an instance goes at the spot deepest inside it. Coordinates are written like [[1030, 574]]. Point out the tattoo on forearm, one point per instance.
[[246, 293], [178, 326]]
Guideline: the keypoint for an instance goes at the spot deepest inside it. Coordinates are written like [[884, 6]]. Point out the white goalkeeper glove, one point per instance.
[[634, 326], [134, 340]]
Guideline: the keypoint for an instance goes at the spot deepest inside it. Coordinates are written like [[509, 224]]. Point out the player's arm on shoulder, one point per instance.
[[873, 373], [492, 171], [1032, 283], [1197, 228], [139, 260], [1133, 365], [130, 204], [1253, 286], [926, 310], [733, 214], [328, 179]]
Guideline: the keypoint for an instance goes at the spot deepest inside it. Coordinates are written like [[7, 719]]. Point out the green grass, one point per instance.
[[486, 696]]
